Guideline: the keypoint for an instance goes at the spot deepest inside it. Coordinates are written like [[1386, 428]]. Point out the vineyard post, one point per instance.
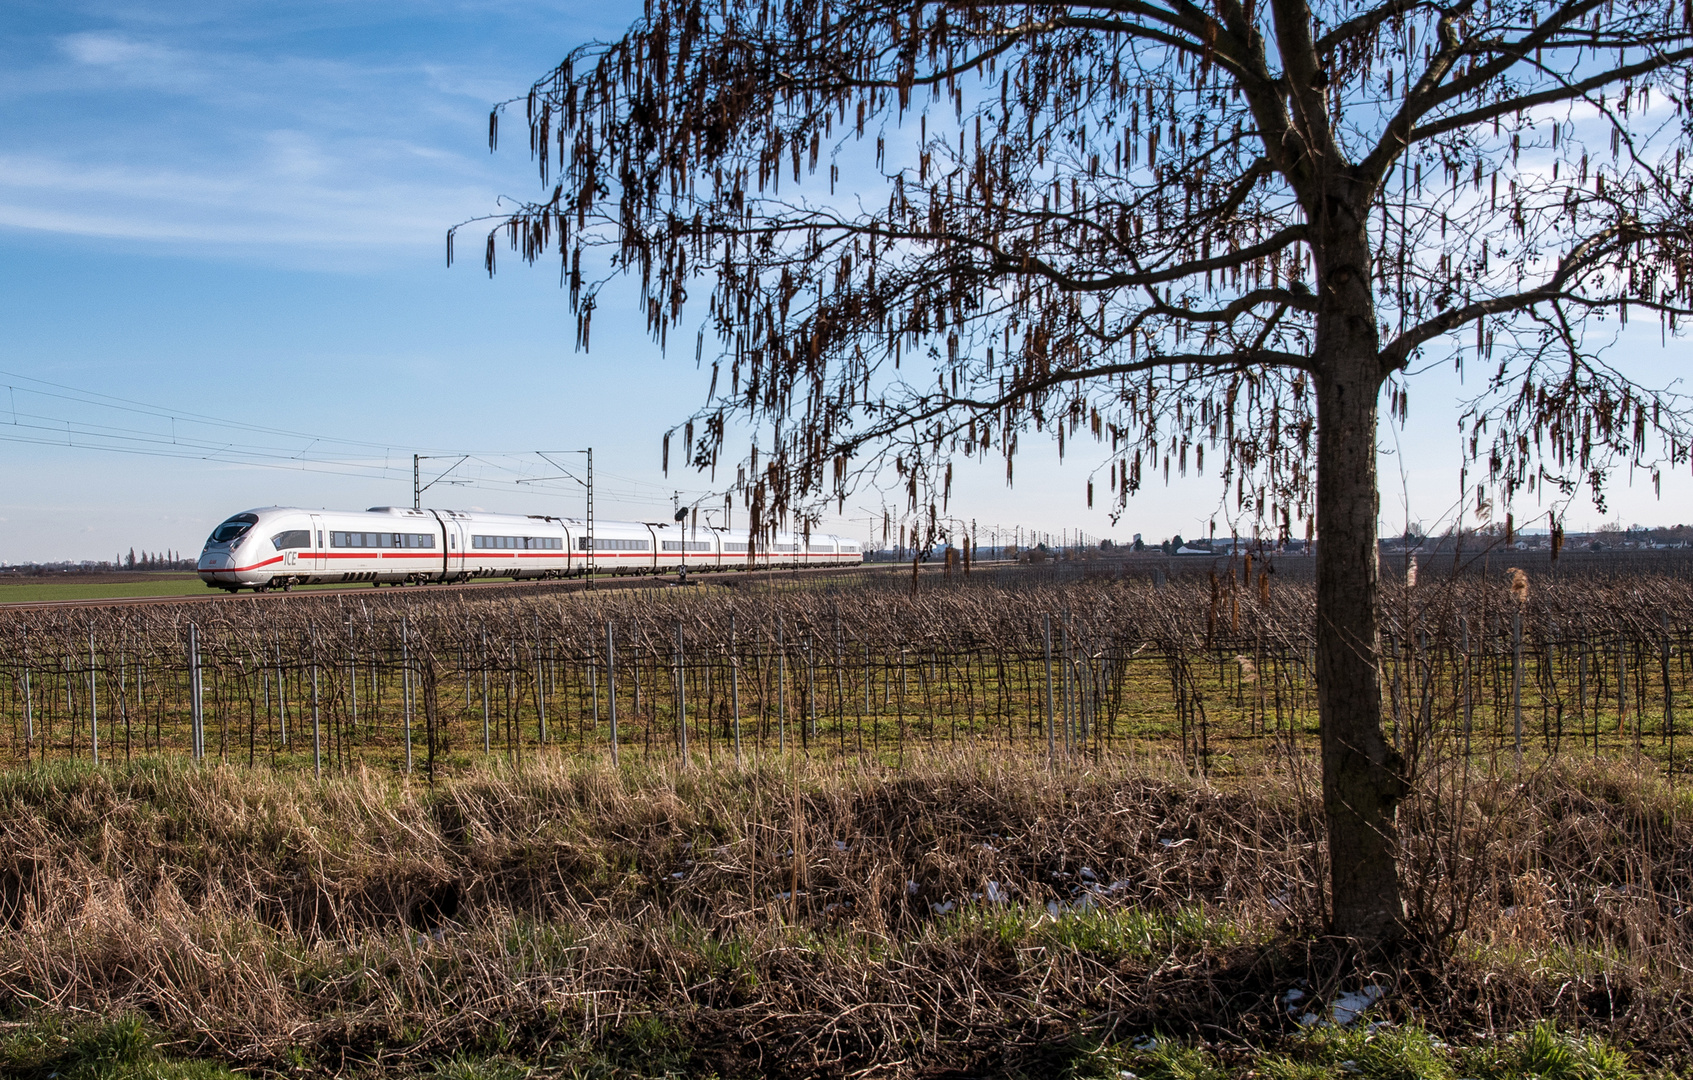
[[840, 687], [611, 688], [1051, 748], [252, 714], [1669, 697], [427, 674], [1072, 688], [1622, 688], [1517, 682], [94, 704], [1422, 673], [196, 720], [158, 711], [487, 737], [317, 719], [265, 685], [1550, 683], [647, 722], [681, 696], [899, 706], [353, 674], [1581, 687], [1090, 699], [869, 676], [405, 687], [735, 685], [281, 698], [1261, 704], [540, 685], [1084, 693], [1469, 703], [781, 690], [29, 705], [810, 688], [513, 709]]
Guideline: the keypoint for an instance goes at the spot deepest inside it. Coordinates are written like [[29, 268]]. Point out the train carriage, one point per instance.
[[279, 547]]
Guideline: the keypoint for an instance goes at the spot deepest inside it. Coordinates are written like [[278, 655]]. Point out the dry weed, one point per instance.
[[793, 917]]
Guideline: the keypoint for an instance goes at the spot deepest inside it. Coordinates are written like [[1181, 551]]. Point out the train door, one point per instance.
[[458, 546], [448, 539], [652, 567], [315, 557]]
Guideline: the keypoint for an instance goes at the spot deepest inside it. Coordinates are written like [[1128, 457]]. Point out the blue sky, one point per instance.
[[238, 210]]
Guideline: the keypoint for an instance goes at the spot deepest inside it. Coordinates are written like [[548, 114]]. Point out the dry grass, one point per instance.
[[651, 920]]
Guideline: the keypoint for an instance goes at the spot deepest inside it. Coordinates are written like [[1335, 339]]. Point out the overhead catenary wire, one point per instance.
[[186, 439]]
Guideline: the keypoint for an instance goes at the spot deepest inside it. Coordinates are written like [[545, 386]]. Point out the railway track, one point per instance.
[[493, 588]]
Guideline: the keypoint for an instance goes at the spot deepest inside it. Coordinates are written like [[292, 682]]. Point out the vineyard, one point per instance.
[[1210, 669], [1035, 822]]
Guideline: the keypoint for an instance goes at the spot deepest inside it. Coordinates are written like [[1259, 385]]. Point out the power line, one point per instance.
[[181, 435], [122, 404]]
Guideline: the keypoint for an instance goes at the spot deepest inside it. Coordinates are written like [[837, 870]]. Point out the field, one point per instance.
[[1046, 822], [33, 588]]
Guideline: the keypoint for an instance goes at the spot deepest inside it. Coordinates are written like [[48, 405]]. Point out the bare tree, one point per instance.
[[1181, 227]]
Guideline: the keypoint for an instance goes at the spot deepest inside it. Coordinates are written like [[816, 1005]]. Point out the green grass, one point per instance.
[[125, 1048], [41, 590], [37, 590], [1393, 1052], [128, 1048]]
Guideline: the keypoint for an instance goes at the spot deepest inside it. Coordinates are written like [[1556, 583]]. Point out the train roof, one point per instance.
[[487, 517]]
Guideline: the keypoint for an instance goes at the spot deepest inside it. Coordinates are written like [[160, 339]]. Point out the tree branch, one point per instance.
[[1546, 97], [1398, 351], [1019, 389], [1366, 23]]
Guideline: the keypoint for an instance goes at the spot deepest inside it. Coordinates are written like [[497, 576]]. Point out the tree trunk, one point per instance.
[[1363, 776]]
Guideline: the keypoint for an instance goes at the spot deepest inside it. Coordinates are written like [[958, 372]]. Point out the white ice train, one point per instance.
[[276, 547]]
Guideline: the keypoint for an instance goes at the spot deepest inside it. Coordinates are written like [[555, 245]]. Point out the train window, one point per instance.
[[381, 540], [292, 538], [736, 548], [234, 528], [526, 543], [687, 545], [610, 543]]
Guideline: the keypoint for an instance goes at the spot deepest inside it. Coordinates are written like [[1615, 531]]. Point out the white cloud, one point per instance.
[[298, 191], [106, 50], [230, 144]]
